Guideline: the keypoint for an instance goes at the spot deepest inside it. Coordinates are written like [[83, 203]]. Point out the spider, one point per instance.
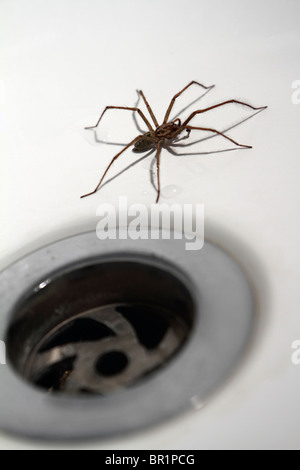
[[168, 131]]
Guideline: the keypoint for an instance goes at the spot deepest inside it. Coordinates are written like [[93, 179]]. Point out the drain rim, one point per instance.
[[158, 397]]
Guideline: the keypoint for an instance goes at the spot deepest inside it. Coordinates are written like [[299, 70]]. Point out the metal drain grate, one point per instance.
[[100, 327], [105, 349]]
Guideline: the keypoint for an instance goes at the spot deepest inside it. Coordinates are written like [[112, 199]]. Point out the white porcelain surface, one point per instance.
[[63, 62]]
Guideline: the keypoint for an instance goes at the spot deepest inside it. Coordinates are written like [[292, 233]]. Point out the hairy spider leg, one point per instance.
[[179, 93], [190, 128], [128, 109], [199, 111], [115, 157], [159, 144], [149, 109]]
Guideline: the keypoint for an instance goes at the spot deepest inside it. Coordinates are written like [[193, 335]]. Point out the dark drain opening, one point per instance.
[[149, 324], [111, 363], [76, 331], [100, 327]]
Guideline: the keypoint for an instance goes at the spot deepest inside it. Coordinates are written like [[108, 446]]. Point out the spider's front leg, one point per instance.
[[180, 93], [200, 111], [126, 108]]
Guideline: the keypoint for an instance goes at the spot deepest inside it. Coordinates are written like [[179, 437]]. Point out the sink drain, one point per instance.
[[106, 337], [100, 327], [121, 354]]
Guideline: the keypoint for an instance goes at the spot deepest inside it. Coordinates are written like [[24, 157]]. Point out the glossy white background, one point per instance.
[[63, 61]]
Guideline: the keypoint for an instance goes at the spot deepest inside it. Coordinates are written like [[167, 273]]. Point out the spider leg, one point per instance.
[[158, 169], [190, 128], [115, 157], [199, 111], [123, 107], [149, 109], [178, 94]]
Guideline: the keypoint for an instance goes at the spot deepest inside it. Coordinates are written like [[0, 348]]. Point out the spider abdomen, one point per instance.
[[144, 143]]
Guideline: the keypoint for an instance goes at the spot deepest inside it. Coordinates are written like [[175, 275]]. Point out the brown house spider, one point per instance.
[[167, 131]]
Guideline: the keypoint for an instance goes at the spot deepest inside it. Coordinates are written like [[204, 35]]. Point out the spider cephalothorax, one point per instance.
[[164, 132], [167, 131]]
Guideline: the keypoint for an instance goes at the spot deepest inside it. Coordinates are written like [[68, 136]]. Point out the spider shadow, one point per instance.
[[153, 162], [112, 178]]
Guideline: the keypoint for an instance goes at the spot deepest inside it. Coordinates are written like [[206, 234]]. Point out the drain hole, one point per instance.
[[111, 363], [149, 323], [76, 331]]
